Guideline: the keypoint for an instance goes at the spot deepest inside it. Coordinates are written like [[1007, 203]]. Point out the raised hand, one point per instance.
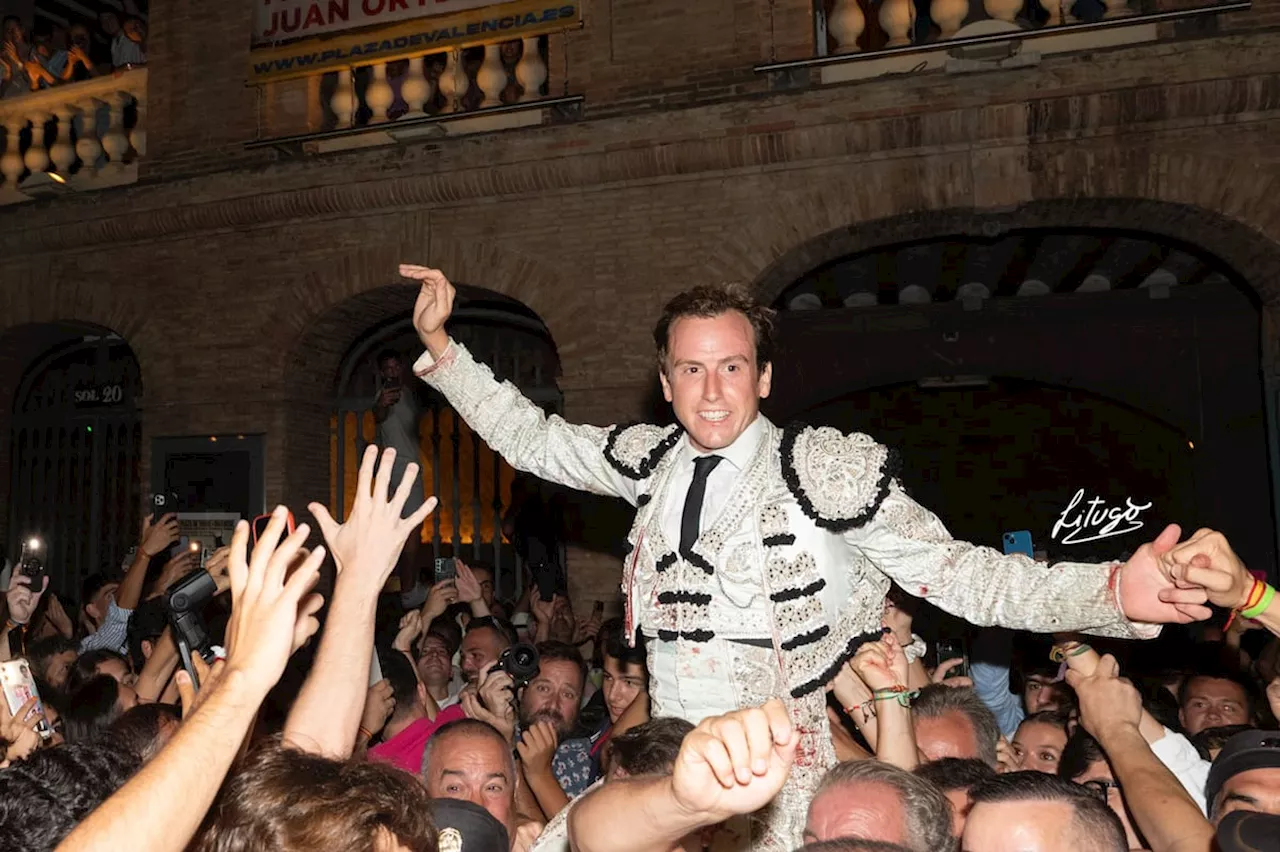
[[272, 610], [410, 629], [467, 585], [22, 599], [897, 620], [379, 704], [1108, 703], [537, 746], [58, 617], [736, 763], [433, 307], [19, 729], [1207, 561], [1147, 593], [442, 596], [367, 545], [939, 675], [881, 664], [158, 538]]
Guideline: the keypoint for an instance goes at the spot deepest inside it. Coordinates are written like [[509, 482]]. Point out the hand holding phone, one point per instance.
[[20, 688], [954, 649], [31, 562]]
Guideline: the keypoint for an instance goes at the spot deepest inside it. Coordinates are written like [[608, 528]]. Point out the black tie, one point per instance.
[[690, 520]]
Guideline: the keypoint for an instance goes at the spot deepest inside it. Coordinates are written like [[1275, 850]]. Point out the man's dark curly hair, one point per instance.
[[708, 301], [45, 796]]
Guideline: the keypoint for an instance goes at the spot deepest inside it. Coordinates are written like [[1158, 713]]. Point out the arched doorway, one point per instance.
[[75, 447], [1161, 336], [471, 482]]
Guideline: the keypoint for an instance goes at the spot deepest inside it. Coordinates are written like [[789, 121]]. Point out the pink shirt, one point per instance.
[[405, 748]]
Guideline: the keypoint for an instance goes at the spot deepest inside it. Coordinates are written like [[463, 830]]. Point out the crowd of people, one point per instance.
[[50, 54], [539, 736], [779, 677]]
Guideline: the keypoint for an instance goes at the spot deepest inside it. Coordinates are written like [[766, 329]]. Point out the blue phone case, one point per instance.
[[1018, 541]]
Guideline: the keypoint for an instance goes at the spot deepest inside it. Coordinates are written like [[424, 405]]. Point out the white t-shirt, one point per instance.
[[400, 430]]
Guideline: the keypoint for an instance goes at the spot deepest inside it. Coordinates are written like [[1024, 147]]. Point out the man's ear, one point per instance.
[[666, 385], [147, 648], [765, 384]]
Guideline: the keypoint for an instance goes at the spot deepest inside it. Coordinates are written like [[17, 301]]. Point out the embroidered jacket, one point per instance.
[[816, 524]]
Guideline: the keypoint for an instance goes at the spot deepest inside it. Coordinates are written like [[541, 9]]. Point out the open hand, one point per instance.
[[367, 545], [1147, 593], [735, 764], [58, 617], [433, 307], [467, 585], [272, 610]]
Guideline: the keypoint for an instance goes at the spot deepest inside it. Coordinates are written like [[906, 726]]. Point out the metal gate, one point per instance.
[[471, 482], [76, 443]]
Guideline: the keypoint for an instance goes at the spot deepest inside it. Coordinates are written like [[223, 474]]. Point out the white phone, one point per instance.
[[19, 688]]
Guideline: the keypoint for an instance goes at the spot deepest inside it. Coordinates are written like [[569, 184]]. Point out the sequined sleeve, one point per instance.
[[908, 543], [610, 461]]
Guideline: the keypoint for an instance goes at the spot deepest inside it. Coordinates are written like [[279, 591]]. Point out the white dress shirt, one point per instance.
[[719, 484]]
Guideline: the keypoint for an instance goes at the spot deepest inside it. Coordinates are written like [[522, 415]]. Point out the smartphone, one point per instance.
[[446, 569], [547, 576], [950, 649], [163, 504], [1019, 541], [260, 526], [19, 688], [31, 562]]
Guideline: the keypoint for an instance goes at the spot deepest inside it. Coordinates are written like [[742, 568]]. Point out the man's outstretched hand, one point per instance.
[[1148, 592], [434, 305], [736, 763]]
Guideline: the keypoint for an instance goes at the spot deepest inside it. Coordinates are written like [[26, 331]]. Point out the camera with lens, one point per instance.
[[185, 601], [521, 662]]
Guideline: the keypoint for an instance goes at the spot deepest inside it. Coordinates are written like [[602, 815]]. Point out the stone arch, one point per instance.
[[1252, 255], [343, 300]]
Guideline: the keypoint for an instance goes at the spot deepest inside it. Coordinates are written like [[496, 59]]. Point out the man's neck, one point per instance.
[[396, 725], [438, 691]]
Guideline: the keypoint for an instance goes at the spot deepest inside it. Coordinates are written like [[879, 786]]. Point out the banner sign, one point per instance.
[[1094, 521], [413, 38], [279, 20]]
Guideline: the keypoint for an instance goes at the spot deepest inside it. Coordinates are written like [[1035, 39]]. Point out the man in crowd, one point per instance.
[[556, 764], [402, 735], [471, 760], [871, 800], [1035, 812], [953, 722], [822, 510], [1212, 700], [956, 778], [396, 411], [107, 607], [1246, 776], [485, 641]]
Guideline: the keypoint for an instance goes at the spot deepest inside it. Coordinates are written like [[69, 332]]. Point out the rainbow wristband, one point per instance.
[[1260, 607]]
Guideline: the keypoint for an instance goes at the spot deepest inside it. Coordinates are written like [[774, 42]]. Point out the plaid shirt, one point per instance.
[[113, 634]]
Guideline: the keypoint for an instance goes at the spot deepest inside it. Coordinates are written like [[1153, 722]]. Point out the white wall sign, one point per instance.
[[277, 20], [1094, 521]]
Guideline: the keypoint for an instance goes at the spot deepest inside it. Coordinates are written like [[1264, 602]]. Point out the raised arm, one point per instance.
[[272, 615], [985, 587], [1111, 710], [325, 718], [154, 540], [518, 430]]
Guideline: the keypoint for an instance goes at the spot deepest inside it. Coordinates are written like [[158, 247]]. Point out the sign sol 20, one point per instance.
[[90, 397]]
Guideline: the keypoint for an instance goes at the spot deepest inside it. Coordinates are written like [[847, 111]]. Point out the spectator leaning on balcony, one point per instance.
[[129, 47]]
